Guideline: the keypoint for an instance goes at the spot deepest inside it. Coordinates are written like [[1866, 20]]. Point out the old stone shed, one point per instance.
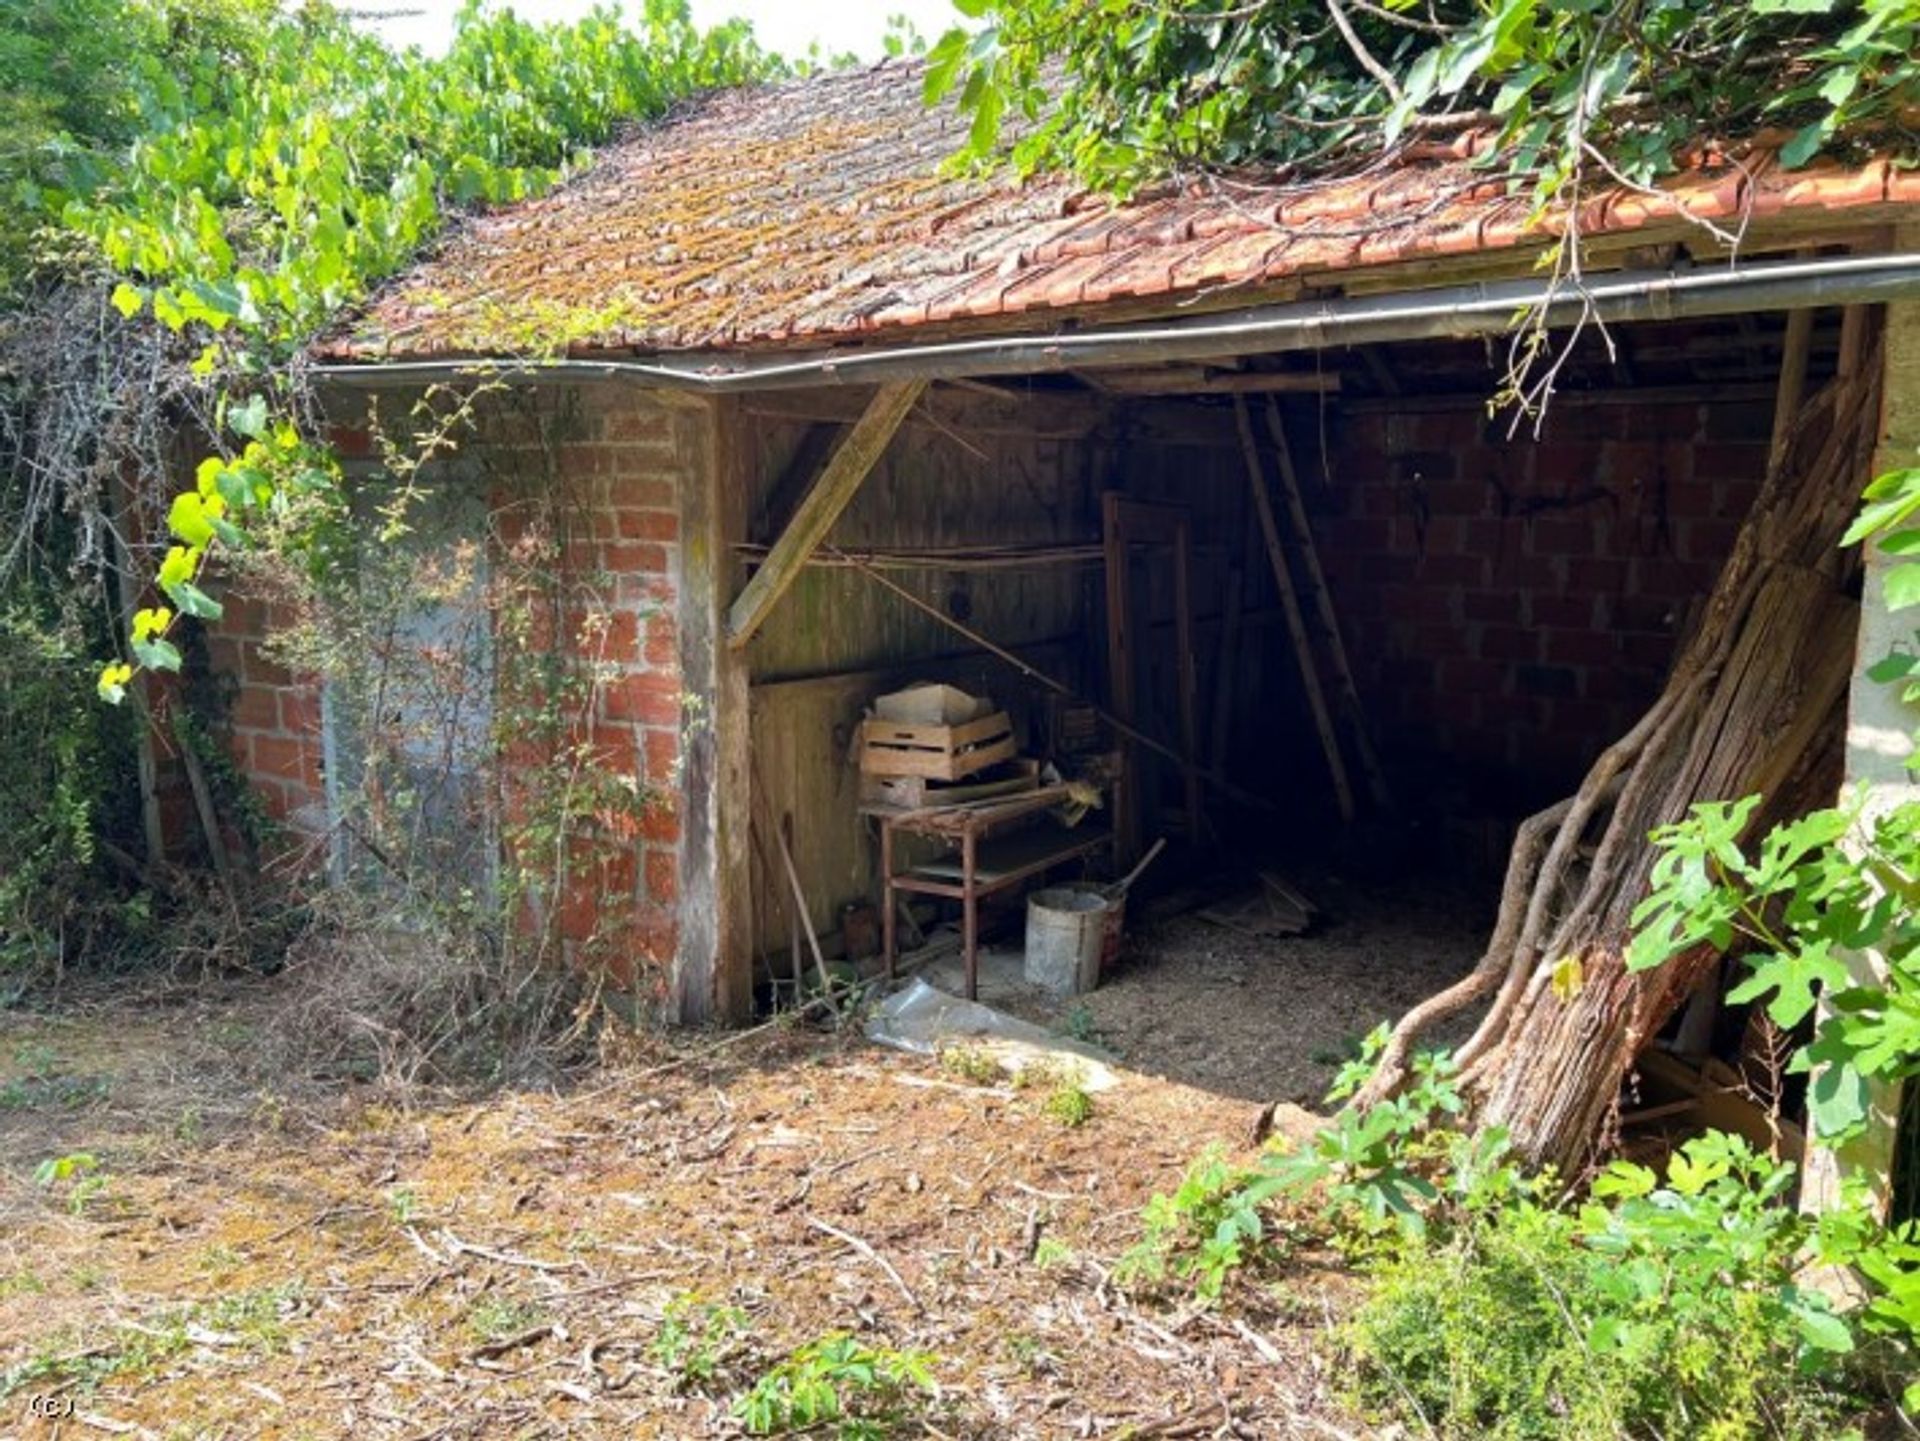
[[833, 398]]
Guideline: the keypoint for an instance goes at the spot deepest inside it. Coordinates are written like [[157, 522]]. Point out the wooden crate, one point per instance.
[[938, 752], [913, 792]]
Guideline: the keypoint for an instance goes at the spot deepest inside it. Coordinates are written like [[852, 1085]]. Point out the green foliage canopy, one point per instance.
[[1141, 91], [240, 173]]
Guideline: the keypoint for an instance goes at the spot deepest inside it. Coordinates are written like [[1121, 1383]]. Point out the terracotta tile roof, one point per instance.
[[822, 211]]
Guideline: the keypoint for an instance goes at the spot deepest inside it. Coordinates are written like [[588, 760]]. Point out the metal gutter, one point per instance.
[[1484, 308]]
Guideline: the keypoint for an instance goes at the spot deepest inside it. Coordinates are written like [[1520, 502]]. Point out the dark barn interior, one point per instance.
[[1443, 616]]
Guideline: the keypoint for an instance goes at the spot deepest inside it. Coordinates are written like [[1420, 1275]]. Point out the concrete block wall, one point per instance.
[[1512, 604]]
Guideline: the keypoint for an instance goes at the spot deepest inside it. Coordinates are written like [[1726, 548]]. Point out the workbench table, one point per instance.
[[985, 866]]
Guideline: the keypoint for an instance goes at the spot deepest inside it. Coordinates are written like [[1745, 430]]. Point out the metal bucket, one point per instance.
[[1066, 935]]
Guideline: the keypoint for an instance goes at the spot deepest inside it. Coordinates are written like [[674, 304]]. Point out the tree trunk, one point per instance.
[[1753, 704]]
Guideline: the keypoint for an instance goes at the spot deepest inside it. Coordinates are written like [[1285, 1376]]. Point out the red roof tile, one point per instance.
[[824, 210]]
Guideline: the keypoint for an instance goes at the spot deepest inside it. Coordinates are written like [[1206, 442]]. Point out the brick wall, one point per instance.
[[623, 473], [1511, 605], [272, 722], [617, 478]]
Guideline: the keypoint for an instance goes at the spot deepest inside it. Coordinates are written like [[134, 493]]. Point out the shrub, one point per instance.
[[64, 786], [1653, 1310], [838, 1384], [1208, 1228]]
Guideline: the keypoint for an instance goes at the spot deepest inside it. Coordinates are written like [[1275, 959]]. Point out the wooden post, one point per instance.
[[713, 959], [1126, 797], [1323, 606], [1189, 683], [830, 495], [1290, 607]]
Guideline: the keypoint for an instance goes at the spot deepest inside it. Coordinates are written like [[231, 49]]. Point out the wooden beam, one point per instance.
[[1205, 380], [1700, 393], [830, 495]]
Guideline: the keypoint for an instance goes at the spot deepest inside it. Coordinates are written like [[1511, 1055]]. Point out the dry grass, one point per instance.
[[270, 1262]]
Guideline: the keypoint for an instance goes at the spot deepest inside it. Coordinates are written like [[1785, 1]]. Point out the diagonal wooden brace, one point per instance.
[[830, 495]]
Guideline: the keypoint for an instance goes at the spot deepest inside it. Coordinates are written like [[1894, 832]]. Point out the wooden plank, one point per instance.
[[830, 495], [1323, 607], [1189, 683], [1224, 671], [1204, 380], [1126, 802], [1290, 605]]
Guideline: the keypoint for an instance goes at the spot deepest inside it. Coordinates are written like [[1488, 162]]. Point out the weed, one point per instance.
[[697, 1339], [220, 1258], [270, 1112], [1652, 1310], [1207, 1229], [1069, 1104], [79, 1172], [499, 1318], [1051, 1253], [53, 1093], [972, 1063], [21, 1283], [254, 1320], [1078, 1025], [403, 1204], [1064, 1082], [860, 1392], [1029, 1353], [1038, 1073]]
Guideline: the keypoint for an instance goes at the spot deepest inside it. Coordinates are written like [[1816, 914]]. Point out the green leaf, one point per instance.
[[129, 300], [157, 654], [1837, 1101], [250, 419], [195, 602], [1804, 146], [1895, 667], [188, 519], [1822, 1330], [1902, 587], [1792, 979]]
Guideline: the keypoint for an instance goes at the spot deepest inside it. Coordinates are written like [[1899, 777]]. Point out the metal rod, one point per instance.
[[1482, 308]]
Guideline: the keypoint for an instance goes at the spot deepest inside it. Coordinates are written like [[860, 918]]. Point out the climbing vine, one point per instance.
[[261, 171]]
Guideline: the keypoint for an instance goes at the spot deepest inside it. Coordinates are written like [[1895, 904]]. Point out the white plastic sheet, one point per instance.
[[923, 1019]]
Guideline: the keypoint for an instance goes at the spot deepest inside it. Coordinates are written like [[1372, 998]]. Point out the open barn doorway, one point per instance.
[[1325, 625]]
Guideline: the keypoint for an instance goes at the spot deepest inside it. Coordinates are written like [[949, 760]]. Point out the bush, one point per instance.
[[1654, 1310], [64, 787]]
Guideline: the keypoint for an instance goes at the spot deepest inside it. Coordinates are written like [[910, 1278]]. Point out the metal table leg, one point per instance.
[[970, 907], [888, 900]]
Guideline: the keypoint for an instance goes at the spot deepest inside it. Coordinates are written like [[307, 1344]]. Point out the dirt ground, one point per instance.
[[248, 1259], [1263, 1019]]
